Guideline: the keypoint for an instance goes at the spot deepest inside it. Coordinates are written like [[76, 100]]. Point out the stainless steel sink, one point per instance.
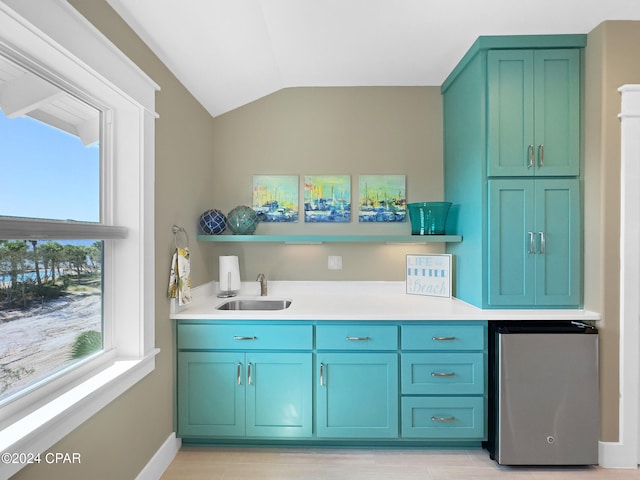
[[254, 305]]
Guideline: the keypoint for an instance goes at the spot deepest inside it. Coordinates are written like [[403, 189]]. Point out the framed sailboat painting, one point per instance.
[[275, 197], [382, 198], [327, 198]]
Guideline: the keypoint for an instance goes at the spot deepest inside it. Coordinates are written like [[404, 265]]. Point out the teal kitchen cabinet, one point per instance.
[[243, 392], [331, 382], [534, 242], [211, 394], [533, 112], [444, 381], [357, 381], [511, 111]]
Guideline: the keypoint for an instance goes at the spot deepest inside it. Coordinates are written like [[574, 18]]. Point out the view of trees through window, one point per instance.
[[50, 172], [50, 308]]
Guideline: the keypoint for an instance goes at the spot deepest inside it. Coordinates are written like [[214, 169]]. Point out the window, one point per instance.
[[75, 87], [50, 290]]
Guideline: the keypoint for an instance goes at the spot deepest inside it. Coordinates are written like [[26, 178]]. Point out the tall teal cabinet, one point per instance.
[[512, 147]]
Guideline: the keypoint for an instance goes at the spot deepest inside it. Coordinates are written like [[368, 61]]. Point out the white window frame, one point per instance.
[[65, 46]]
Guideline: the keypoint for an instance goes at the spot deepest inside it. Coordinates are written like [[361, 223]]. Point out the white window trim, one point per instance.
[[57, 38]]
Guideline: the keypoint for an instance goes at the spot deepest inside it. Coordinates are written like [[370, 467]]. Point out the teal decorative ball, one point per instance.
[[242, 220], [213, 222]]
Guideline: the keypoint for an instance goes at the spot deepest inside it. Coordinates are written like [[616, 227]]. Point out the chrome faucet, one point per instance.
[[263, 284]]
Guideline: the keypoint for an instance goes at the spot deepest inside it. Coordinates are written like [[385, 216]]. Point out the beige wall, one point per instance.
[[611, 61], [323, 131], [117, 442], [306, 131]]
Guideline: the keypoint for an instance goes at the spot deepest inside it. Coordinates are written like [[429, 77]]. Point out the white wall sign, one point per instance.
[[429, 275]]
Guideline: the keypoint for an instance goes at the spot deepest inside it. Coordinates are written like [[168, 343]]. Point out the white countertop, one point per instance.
[[353, 301]]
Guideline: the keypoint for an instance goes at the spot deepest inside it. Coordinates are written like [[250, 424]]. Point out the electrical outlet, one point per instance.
[[335, 262]]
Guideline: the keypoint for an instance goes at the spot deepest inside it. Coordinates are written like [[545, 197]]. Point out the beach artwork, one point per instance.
[[327, 198], [275, 197], [382, 198]]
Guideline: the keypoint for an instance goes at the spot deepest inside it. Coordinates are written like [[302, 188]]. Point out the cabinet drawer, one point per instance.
[[442, 373], [443, 417], [443, 337], [356, 337], [245, 337]]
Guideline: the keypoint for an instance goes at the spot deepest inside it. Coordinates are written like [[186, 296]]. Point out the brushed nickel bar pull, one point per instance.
[[442, 339], [443, 374], [443, 419], [357, 339], [239, 373], [236, 337], [543, 242], [532, 243], [249, 373], [322, 374], [532, 157], [541, 154]]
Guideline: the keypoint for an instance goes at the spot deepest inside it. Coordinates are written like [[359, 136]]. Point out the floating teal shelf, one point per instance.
[[316, 239]]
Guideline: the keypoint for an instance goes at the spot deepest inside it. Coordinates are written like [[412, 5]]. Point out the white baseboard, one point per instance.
[[616, 455], [161, 460]]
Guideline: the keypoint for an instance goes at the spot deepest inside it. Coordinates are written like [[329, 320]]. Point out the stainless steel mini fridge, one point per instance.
[[544, 393]]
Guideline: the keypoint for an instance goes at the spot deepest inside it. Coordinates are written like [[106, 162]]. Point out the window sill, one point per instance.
[[41, 429]]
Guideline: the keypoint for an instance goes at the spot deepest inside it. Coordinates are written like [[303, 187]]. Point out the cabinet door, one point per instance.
[[533, 118], [557, 112], [534, 243], [558, 251], [278, 392], [211, 394], [357, 395], [511, 243], [510, 113]]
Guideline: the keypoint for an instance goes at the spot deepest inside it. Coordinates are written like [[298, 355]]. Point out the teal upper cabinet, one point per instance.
[[533, 112], [512, 112]]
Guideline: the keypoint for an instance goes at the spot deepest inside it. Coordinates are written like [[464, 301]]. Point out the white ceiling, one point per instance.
[[231, 52]]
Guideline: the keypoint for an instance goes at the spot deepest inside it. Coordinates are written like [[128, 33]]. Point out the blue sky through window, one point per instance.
[[47, 173]]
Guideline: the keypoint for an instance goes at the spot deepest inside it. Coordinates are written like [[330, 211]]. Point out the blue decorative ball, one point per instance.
[[213, 222], [242, 220]]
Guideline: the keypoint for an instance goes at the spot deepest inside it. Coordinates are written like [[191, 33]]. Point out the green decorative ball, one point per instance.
[[242, 220]]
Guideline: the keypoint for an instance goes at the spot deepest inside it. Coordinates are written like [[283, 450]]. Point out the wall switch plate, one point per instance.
[[335, 262]]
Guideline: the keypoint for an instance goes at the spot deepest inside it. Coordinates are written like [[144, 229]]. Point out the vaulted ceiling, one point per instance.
[[231, 52]]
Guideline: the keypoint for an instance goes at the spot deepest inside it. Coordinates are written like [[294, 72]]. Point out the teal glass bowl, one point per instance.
[[428, 218]]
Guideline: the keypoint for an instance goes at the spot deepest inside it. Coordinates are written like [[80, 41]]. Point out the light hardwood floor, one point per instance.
[[226, 463]]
